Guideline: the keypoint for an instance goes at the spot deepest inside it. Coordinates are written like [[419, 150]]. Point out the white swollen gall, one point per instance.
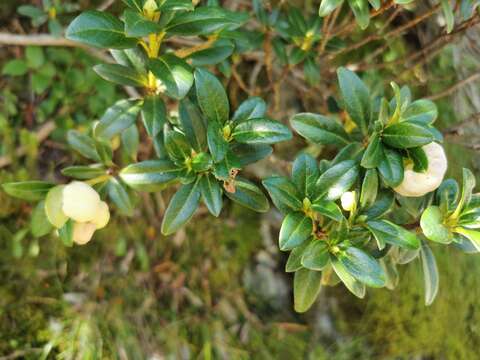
[[80, 202], [348, 200], [103, 215], [417, 184], [83, 232]]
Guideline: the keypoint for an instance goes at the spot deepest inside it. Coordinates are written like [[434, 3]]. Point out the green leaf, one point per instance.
[[261, 131], [319, 129], [430, 273], [448, 13], [16, 67], [329, 209], [374, 153], [432, 223], [296, 228], [327, 6], [472, 235], [252, 108], [39, 225], [30, 11], [306, 287], [249, 195], [390, 233], [174, 73], [177, 146], [28, 190], [99, 29], [218, 52], [316, 256], [305, 174], [211, 96], [383, 203], [211, 194], [201, 162], [54, 207], [353, 285], [338, 179], [404, 135], [35, 57], [204, 20], [468, 185], [217, 144], [119, 197], [136, 25], [181, 208], [391, 167], [294, 261], [117, 118], [420, 160], [66, 233], [249, 154], [120, 74], [150, 175], [193, 124], [356, 98], [154, 114], [362, 267], [177, 5], [283, 193], [361, 12], [82, 143], [369, 188], [422, 112], [104, 151], [84, 172]]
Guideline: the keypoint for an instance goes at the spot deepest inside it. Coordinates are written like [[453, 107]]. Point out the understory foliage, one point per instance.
[[366, 191]]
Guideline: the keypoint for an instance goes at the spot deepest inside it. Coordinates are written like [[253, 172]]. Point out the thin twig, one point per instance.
[[455, 87]]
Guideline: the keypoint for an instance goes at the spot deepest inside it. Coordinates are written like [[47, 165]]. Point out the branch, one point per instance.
[[455, 86]]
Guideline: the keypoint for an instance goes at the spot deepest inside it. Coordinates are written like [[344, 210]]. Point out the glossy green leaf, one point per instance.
[[99, 29], [353, 285], [28, 190], [204, 20], [316, 256], [261, 131], [211, 194], [201, 162], [249, 154], [361, 11], [84, 172], [374, 153], [369, 188], [217, 144], [294, 261], [150, 175], [305, 174], [218, 52], [356, 98], [66, 233], [283, 193], [319, 129], [82, 143], [193, 124], [423, 112], [336, 180], [433, 227], [448, 13], [391, 167], [54, 207], [387, 232], [120, 197], [39, 224], [296, 228], [136, 25], [117, 118], [306, 287], [383, 204], [329, 209], [327, 6], [249, 195], [252, 108], [154, 114], [362, 267], [177, 146], [430, 273], [120, 74], [174, 73], [211, 96], [181, 208], [404, 135]]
